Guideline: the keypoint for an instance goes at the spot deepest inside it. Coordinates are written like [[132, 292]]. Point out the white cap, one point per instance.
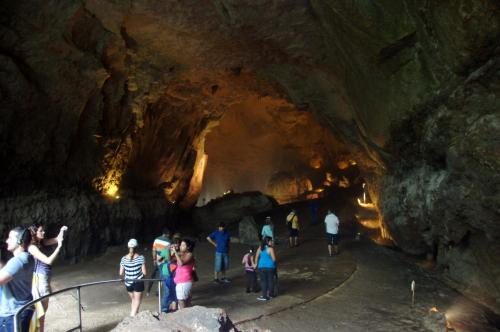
[[132, 243]]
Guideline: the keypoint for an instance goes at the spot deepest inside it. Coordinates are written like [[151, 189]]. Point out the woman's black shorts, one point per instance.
[[137, 286]]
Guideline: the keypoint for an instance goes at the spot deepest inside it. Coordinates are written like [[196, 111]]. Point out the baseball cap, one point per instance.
[[132, 243]]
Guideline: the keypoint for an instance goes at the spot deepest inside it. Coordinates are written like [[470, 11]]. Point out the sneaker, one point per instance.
[[263, 298], [217, 281], [225, 280]]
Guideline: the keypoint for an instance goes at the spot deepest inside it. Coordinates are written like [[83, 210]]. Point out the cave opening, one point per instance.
[[267, 144]]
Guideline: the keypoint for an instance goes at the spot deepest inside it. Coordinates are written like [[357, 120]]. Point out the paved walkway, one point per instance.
[[365, 288], [305, 273]]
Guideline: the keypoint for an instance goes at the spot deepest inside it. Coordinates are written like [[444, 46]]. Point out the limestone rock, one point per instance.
[[230, 209], [191, 319], [248, 231]]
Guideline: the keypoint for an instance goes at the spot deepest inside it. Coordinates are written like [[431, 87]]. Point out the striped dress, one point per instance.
[[133, 268]]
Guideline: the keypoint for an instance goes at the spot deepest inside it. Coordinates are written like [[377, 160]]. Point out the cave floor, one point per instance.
[[365, 288]]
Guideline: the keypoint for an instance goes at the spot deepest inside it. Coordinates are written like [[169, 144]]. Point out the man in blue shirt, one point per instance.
[[15, 281], [220, 240]]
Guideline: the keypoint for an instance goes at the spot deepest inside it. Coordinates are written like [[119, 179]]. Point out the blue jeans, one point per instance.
[[168, 287], [221, 262], [267, 281], [7, 323], [168, 296]]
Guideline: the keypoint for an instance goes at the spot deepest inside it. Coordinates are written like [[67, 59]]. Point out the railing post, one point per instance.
[[159, 296], [79, 309], [16, 322]]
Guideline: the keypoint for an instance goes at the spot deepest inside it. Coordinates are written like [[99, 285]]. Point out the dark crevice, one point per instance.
[[394, 49]]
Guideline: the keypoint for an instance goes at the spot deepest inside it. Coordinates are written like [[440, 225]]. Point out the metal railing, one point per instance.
[[17, 325]]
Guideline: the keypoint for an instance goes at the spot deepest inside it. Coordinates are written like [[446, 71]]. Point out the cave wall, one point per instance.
[[116, 96], [441, 195]]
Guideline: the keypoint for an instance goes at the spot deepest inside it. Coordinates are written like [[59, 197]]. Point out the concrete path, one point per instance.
[[305, 273], [365, 288]]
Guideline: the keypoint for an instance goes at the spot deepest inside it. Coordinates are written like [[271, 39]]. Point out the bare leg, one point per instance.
[[131, 296], [330, 249], [290, 241], [136, 303], [182, 304], [45, 304]]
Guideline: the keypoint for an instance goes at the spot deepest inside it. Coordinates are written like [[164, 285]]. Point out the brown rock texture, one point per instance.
[[230, 209], [196, 318]]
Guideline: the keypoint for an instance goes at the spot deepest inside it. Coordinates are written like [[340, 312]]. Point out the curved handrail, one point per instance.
[[77, 287]]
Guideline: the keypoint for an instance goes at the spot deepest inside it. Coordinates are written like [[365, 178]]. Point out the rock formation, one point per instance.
[[104, 98], [196, 318], [230, 209]]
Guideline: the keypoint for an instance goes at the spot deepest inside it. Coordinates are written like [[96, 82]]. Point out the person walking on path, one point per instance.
[[268, 228], [220, 239], [160, 243], [292, 222], [332, 232], [15, 281], [133, 267], [266, 264], [251, 276], [39, 249], [184, 274]]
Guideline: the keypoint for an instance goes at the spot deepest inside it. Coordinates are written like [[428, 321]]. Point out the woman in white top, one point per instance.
[[133, 267]]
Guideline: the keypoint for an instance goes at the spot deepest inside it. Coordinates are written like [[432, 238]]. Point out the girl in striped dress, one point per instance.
[[133, 267]]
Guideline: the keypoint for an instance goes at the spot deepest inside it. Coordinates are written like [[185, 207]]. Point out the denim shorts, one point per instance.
[[221, 262]]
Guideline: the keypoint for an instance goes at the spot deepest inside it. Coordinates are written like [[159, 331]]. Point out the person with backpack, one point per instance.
[[292, 222]]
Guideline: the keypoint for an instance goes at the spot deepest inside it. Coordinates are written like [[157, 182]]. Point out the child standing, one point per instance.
[[251, 276]]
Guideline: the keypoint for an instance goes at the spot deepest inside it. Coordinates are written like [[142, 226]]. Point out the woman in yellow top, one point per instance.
[[292, 221]]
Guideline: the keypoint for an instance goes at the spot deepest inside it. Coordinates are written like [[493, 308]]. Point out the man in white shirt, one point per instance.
[[332, 232]]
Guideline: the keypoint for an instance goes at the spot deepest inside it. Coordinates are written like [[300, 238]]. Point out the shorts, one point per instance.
[[221, 262], [333, 239], [183, 290], [294, 232], [137, 286], [41, 285]]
